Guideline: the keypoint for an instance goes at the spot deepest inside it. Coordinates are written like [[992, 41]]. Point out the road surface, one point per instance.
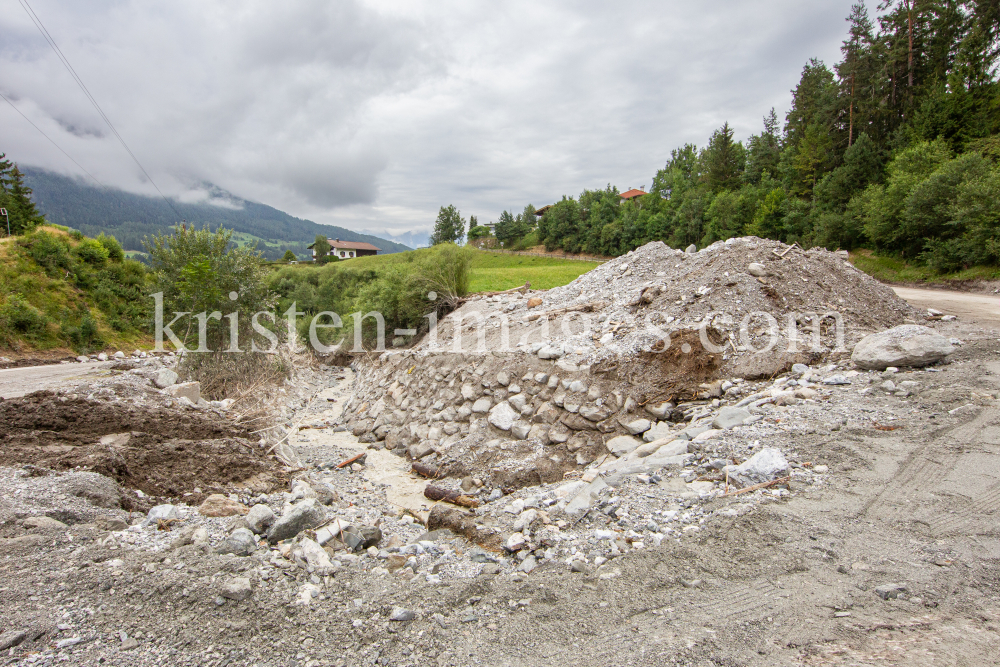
[[967, 306], [16, 382]]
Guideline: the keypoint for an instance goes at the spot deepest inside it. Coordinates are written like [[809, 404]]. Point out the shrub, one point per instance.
[[19, 316], [93, 252], [114, 248], [48, 250]]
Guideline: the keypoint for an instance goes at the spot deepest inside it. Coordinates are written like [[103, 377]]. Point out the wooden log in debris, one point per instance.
[[454, 497], [424, 470]]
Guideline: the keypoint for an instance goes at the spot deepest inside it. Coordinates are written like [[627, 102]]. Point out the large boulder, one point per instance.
[[906, 345]]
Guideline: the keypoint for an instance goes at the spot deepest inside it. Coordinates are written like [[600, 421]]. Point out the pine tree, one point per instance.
[[15, 197], [449, 226]]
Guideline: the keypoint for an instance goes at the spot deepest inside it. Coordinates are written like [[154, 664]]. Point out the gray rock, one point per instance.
[[12, 638], [594, 413], [44, 524], [237, 588], [164, 512], [905, 345], [659, 410], [729, 417], [767, 464], [306, 514], [477, 555], [622, 445], [550, 352], [402, 614], [586, 497], [890, 591], [658, 431], [188, 390], [638, 426], [164, 378], [502, 416], [240, 543], [518, 401]]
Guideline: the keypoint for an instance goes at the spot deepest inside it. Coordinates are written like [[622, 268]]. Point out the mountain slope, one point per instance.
[[130, 217]]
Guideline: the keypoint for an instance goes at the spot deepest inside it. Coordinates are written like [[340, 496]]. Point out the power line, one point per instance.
[[52, 141], [76, 77]]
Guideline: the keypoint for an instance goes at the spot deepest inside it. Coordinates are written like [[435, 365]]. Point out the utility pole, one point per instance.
[[3, 212]]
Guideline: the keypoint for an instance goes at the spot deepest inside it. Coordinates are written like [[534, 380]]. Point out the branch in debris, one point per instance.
[[762, 485], [344, 464], [578, 308], [448, 496]]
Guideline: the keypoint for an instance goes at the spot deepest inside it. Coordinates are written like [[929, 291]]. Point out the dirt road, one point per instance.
[[16, 382], [980, 308]]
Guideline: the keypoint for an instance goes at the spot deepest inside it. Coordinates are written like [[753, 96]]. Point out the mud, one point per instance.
[[162, 452]]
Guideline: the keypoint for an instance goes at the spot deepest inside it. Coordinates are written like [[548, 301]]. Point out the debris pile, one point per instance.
[[633, 352]]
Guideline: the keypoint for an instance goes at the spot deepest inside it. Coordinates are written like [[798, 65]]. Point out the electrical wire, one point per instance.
[[76, 77], [52, 141]]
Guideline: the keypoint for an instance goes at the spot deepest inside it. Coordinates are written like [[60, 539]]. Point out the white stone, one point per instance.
[[638, 426], [905, 345], [502, 416], [622, 445]]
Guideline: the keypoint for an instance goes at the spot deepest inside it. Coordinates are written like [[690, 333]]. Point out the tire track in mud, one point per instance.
[[927, 466], [739, 602], [972, 513]]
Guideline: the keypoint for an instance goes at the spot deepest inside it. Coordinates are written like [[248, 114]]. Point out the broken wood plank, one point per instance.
[[437, 493]]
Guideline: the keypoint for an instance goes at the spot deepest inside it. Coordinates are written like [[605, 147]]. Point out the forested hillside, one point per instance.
[[895, 148], [130, 217]]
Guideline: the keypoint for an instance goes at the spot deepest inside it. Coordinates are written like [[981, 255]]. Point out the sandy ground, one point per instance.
[[973, 307], [16, 382]]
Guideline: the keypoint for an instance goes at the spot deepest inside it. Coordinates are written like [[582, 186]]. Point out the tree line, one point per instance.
[[895, 148]]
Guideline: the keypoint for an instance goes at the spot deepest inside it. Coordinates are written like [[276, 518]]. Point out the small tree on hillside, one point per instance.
[[449, 226], [15, 196], [321, 247]]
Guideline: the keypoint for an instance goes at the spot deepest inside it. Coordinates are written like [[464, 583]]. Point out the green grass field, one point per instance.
[[491, 271], [895, 270]]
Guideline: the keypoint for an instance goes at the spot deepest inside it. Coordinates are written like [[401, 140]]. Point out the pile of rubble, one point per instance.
[[661, 348]]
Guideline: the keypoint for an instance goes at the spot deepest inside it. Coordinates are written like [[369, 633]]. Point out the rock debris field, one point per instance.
[[584, 505]]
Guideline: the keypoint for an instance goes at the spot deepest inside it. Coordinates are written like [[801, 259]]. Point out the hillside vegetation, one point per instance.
[[63, 290]]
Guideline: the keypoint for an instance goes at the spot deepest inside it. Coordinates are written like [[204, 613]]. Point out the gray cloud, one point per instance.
[[371, 115]]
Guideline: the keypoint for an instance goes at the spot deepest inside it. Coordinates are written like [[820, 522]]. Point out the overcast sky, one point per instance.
[[371, 115]]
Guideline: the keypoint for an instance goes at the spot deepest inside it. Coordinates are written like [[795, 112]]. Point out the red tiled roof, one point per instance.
[[632, 194], [351, 245]]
